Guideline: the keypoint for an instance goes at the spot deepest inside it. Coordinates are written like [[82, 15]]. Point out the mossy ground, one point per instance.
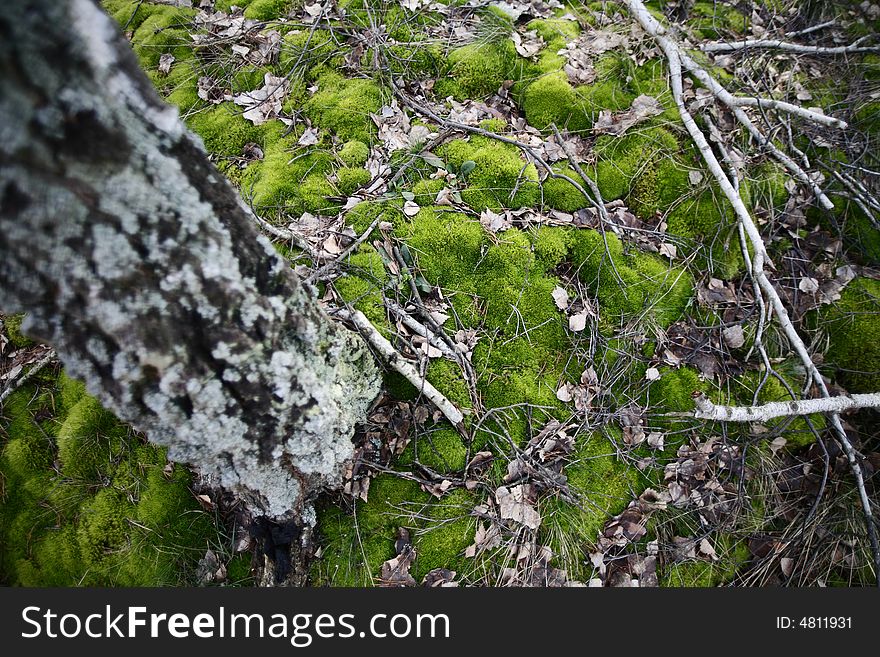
[[87, 502], [499, 285]]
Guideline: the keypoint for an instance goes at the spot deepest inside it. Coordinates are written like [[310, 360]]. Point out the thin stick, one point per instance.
[[706, 410], [797, 110], [19, 382], [776, 44], [403, 366]]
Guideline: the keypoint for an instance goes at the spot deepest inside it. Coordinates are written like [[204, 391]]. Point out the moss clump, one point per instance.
[[853, 326], [448, 530], [696, 573], [623, 160], [87, 502], [713, 19], [356, 543], [354, 153], [12, 324], [362, 286], [442, 450], [223, 130], [551, 246], [477, 70], [292, 178], [350, 179], [673, 391], [560, 194], [310, 54], [267, 10], [164, 30], [628, 285], [343, 106], [500, 177], [552, 100], [594, 474]]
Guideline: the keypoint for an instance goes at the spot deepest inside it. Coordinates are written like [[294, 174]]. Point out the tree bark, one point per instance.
[[136, 259]]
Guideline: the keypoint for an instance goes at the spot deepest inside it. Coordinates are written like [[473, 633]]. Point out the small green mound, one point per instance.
[[343, 106], [500, 177], [86, 502], [853, 328], [629, 285], [477, 70], [354, 153]]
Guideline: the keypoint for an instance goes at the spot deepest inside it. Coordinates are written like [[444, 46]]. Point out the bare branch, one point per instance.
[[403, 366], [775, 44], [706, 410]]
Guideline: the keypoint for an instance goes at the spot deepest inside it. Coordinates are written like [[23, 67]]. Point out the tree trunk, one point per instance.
[[136, 259]]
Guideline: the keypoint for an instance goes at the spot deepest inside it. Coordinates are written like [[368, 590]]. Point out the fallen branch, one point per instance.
[[20, 381], [706, 410], [402, 366], [677, 58], [776, 44], [797, 110]]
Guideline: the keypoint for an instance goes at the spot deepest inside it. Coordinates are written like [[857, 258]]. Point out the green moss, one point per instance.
[[500, 177], [349, 180], [223, 130], [552, 100], [551, 246], [92, 507], [292, 178], [354, 153], [627, 159], [442, 450], [12, 325], [714, 19], [477, 70], [701, 574], [355, 544], [593, 474], [425, 191], [853, 327], [267, 10], [628, 285], [673, 392], [343, 106], [362, 286], [448, 531], [560, 194], [165, 30], [447, 246]]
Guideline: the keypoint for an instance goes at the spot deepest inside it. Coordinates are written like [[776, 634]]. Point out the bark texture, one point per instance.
[[137, 260]]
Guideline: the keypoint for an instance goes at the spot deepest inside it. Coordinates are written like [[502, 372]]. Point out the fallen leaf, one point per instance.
[[578, 321], [411, 208], [668, 250], [514, 504], [309, 137], [808, 285], [264, 103], [494, 222], [560, 297], [652, 374], [642, 108], [734, 336], [165, 62]]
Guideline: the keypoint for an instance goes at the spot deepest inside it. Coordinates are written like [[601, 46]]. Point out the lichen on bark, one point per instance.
[[137, 260]]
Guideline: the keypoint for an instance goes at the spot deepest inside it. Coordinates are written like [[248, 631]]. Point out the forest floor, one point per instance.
[[509, 195]]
